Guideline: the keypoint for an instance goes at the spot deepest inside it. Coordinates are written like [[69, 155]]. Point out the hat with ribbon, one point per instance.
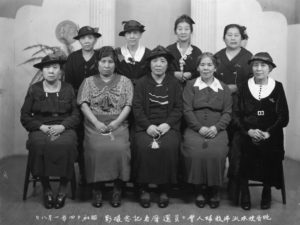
[[131, 25], [87, 30], [51, 59], [264, 57]]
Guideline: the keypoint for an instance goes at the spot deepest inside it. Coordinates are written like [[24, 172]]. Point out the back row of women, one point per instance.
[[226, 110]]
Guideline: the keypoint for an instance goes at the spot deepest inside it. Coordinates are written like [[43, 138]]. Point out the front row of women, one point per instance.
[[50, 114]]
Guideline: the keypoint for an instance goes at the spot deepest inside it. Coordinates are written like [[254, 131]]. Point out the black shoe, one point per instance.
[[145, 199], [116, 199], [214, 204], [245, 199], [60, 200], [266, 198], [48, 200], [163, 201], [200, 203], [97, 199]]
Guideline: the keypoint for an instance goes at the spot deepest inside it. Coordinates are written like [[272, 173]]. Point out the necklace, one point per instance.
[[50, 89]]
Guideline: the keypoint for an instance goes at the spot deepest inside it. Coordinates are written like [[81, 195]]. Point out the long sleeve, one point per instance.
[[141, 119], [28, 121], [176, 112], [226, 113], [282, 111], [69, 77], [73, 120], [188, 110]]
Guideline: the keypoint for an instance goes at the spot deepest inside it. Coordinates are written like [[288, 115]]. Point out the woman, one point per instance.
[[263, 113], [50, 115], [207, 111], [105, 100], [184, 67], [233, 70], [132, 56], [157, 108]]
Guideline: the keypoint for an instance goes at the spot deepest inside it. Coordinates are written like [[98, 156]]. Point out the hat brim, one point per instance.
[[122, 33], [168, 56], [97, 35], [42, 64], [263, 60]]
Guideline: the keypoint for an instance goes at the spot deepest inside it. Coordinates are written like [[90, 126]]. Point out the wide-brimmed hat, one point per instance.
[[87, 30], [262, 56], [131, 25], [160, 51], [51, 59]]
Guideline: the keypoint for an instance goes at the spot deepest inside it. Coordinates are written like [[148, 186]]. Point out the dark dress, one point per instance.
[[47, 157], [262, 162], [156, 104], [235, 71], [190, 60], [204, 159], [132, 70], [77, 69]]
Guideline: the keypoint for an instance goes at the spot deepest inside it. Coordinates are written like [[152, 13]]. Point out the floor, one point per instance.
[[181, 211]]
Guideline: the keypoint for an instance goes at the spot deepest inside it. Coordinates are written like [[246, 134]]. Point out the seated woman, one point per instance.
[[105, 101], [157, 108], [263, 113], [50, 115], [207, 111]]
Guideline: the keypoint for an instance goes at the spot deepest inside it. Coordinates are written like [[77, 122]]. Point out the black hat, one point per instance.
[[51, 59], [160, 51], [262, 56], [87, 30], [131, 25]]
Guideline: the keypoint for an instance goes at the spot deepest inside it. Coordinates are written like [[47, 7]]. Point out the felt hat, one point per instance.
[[87, 30], [263, 56], [131, 25]]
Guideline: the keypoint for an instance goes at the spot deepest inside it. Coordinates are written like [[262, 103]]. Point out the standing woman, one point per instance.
[[233, 70], [50, 115], [157, 108], [263, 113], [207, 111], [105, 101], [132, 56], [184, 67]]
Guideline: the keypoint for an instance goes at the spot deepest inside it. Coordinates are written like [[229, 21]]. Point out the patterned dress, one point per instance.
[[107, 157]]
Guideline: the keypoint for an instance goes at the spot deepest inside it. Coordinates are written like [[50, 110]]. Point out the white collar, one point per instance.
[[261, 91], [138, 54], [187, 52], [215, 85]]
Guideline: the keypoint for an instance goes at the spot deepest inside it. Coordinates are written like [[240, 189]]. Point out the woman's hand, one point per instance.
[[203, 131], [153, 131], [256, 135], [211, 132], [232, 87], [187, 75], [179, 75], [56, 130], [113, 125], [45, 129], [101, 127], [164, 128]]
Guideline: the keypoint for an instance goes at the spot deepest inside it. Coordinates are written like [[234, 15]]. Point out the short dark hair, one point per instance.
[[242, 30], [107, 51], [184, 18], [208, 55]]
